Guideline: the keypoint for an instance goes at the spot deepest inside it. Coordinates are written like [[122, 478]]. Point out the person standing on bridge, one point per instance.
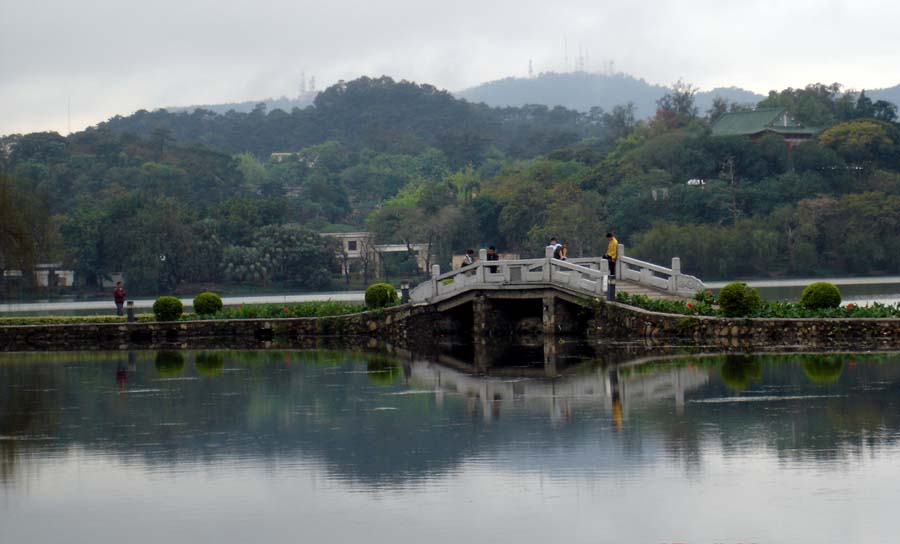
[[119, 298], [560, 251], [492, 256], [612, 252]]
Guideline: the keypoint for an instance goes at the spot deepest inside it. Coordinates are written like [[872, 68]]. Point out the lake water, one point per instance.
[[327, 446]]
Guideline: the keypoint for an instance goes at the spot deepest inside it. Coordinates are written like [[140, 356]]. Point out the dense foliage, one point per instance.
[[175, 198], [167, 308], [820, 295]]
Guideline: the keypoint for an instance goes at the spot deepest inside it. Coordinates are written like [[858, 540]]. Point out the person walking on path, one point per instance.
[[612, 252], [119, 297]]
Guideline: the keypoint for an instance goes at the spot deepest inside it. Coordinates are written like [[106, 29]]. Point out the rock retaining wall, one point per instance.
[[421, 326], [400, 326]]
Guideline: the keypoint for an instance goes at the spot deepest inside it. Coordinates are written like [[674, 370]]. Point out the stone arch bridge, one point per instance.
[[547, 295]]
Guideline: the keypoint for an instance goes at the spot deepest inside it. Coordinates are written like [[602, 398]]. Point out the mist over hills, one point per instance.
[[891, 94], [574, 90], [283, 103], [583, 90]]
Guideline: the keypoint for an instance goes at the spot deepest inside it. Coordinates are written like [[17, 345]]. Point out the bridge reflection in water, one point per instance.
[[563, 380]]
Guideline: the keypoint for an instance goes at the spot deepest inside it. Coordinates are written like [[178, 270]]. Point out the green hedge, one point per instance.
[[70, 319], [324, 308]]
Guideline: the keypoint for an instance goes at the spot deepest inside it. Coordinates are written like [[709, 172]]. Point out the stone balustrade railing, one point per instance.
[[670, 280], [588, 276]]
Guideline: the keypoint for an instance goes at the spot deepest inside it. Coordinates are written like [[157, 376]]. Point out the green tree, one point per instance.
[[864, 141], [288, 253]]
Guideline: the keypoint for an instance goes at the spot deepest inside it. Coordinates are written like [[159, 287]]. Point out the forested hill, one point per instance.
[[582, 91], [413, 164], [376, 114]]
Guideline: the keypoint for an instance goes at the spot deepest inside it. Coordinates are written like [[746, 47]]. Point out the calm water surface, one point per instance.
[[339, 447]]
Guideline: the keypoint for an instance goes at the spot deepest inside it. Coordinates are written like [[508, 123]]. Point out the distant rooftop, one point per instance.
[[748, 123]]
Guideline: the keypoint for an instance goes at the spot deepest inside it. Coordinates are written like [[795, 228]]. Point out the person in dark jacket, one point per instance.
[[492, 256], [119, 297]]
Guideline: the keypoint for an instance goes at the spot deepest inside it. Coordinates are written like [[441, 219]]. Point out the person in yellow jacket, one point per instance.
[[612, 252]]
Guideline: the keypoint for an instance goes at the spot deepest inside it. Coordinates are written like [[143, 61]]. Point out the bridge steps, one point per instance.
[[632, 288]]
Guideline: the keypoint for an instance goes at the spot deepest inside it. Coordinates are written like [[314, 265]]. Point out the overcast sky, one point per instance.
[[112, 57]]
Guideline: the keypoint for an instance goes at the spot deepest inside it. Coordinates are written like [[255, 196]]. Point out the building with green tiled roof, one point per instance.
[[757, 123]]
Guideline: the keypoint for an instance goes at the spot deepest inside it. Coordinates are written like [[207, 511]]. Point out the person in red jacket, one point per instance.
[[119, 297]]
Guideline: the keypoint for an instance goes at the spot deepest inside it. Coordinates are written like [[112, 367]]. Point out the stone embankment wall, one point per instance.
[[401, 326], [418, 327], [622, 321]]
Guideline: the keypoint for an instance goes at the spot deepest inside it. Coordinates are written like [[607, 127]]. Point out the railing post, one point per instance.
[[620, 266], [676, 271], [130, 311], [548, 255], [435, 272], [482, 258], [604, 271]]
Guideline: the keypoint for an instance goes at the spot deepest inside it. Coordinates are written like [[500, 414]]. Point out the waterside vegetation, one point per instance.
[[743, 301]]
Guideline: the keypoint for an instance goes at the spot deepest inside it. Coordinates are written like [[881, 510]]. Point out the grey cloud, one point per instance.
[[114, 57]]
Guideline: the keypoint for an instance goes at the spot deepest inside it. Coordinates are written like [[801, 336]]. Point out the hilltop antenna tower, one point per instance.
[[312, 84], [302, 83], [579, 62], [530, 70]]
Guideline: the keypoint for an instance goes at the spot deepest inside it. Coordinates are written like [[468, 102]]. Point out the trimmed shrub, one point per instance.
[[207, 303], [738, 300], [820, 295], [167, 308], [380, 295]]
